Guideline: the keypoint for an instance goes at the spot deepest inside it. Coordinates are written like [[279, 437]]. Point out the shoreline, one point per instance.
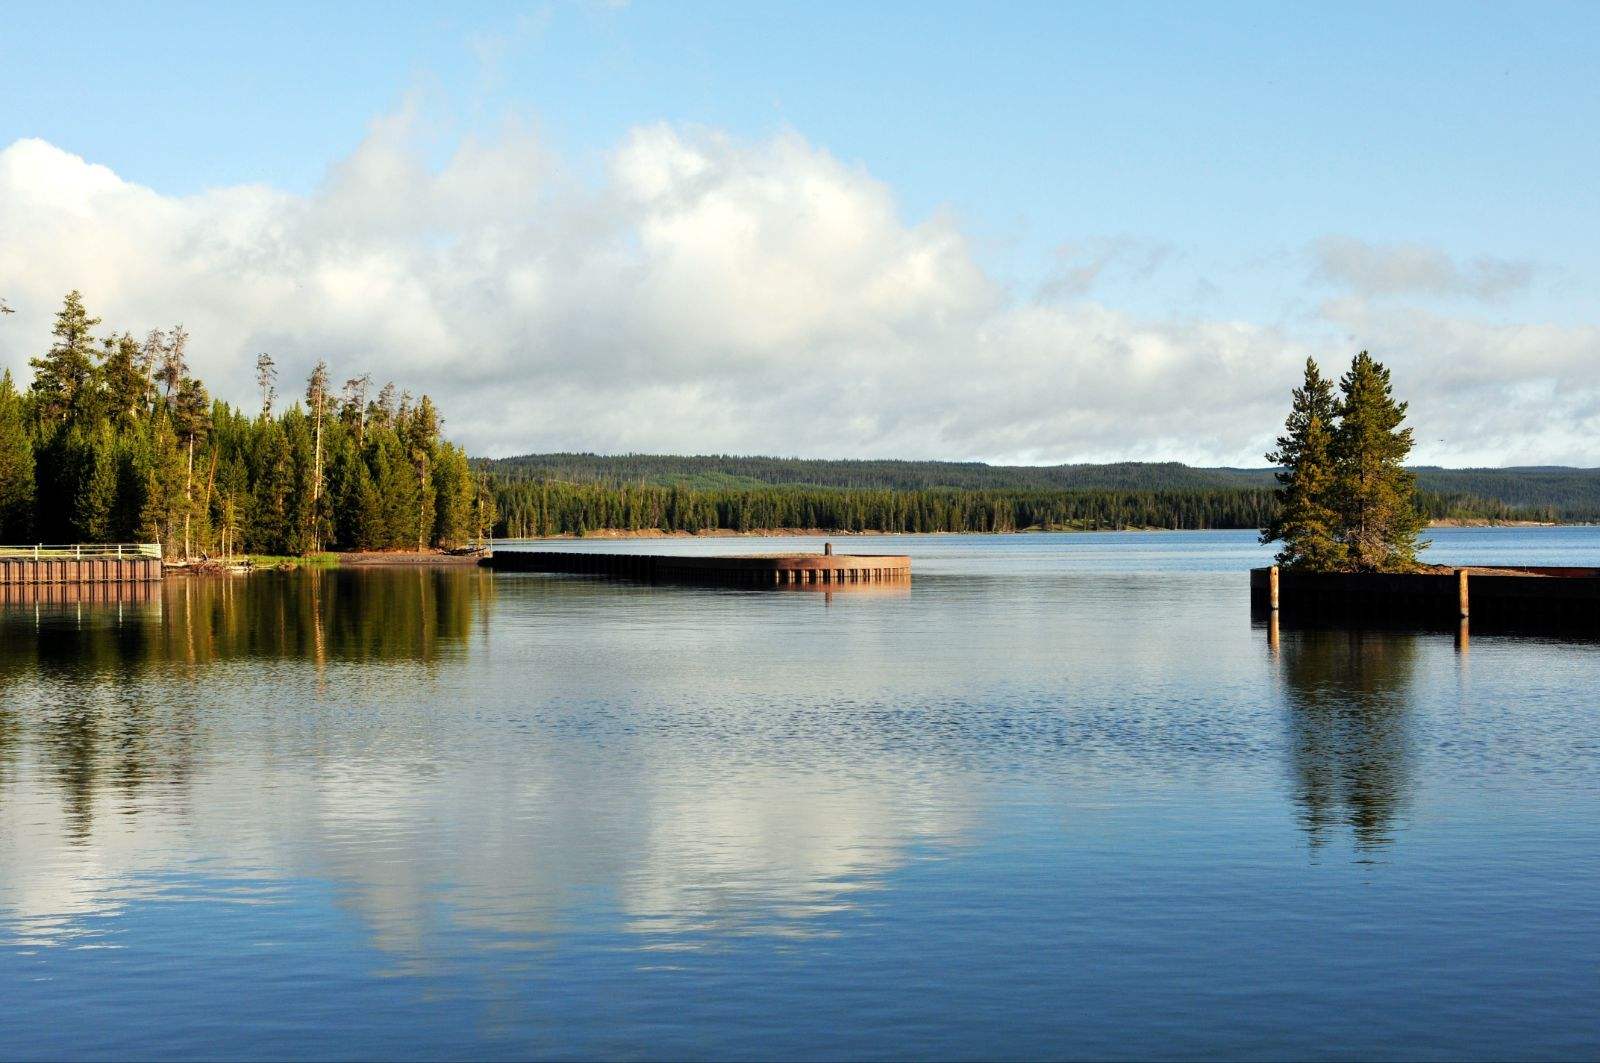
[[824, 533], [253, 563], [430, 559]]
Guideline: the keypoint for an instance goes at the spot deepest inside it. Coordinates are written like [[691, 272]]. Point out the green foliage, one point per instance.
[[16, 466], [1347, 502], [591, 495], [1491, 494], [1307, 521], [64, 379], [1373, 490], [117, 441], [528, 508]]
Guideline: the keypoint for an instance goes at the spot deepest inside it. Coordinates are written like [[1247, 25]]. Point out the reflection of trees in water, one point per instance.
[[1348, 696], [374, 615], [81, 683], [10, 728]]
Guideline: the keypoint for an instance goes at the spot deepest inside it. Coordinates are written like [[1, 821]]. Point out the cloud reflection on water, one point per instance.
[[456, 753]]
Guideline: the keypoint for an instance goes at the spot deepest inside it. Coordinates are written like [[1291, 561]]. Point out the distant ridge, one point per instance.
[[1546, 492]]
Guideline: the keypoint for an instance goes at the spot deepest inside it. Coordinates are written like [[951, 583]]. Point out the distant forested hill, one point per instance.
[[1567, 493], [1572, 493], [726, 471], [553, 493]]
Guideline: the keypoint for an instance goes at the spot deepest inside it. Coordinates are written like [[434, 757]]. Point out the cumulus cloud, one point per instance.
[[703, 294], [1414, 269], [1485, 393]]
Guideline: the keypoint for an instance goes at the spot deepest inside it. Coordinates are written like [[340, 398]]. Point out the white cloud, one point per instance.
[[1414, 269], [1483, 393], [704, 294]]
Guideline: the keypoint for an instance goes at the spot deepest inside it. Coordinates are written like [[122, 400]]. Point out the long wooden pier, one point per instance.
[[98, 563], [750, 570]]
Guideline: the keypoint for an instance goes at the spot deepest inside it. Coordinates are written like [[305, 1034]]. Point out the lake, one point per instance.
[[1057, 798]]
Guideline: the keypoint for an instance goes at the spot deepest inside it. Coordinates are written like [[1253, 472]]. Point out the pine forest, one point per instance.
[[115, 441]]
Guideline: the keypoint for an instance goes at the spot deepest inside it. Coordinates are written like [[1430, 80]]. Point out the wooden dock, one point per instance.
[[28, 566], [1511, 596], [751, 570]]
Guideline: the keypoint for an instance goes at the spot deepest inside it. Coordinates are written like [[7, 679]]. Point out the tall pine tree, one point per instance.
[[64, 379], [1373, 491], [1307, 521]]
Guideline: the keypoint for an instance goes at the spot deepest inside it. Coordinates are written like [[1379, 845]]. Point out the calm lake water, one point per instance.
[[1059, 798]]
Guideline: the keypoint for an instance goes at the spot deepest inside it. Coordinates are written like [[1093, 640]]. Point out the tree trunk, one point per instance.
[[188, 498], [316, 481], [422, 504]]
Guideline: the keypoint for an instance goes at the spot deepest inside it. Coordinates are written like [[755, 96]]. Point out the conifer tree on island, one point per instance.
[[1375, 492], [1307, 521], [1347, 502]]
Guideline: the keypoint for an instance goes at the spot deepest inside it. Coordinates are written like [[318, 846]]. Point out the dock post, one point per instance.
[[1461, 591], [827, 549], [1272, 588]]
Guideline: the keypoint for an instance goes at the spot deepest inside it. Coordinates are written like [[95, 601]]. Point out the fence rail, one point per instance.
[[79, 551]]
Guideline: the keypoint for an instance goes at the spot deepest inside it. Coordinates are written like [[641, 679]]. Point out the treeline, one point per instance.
[[723, 471], [116, 441], [529, 508], [1539, 492], [1533, 493]]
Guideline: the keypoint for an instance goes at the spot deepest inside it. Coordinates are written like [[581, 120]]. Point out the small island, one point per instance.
[[1349, 523]]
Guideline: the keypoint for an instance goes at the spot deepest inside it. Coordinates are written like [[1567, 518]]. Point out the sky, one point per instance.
[[1017, 233]]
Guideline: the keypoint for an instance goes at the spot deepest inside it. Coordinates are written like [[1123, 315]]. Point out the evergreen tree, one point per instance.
[[1306, 521], [64, 379], [317, 401], [273, 482], [94, 511], [161, 473], [300, 510], [1373, 491], [116, 440], [367, 510], [455, 498], [126, 387], [420, 432], [191, 419], [16, 466]]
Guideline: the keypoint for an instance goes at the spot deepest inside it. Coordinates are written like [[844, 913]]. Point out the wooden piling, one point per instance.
[[1520, 596]]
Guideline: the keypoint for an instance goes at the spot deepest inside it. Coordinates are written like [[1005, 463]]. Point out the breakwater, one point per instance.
[[1521, 596], [750, 570]]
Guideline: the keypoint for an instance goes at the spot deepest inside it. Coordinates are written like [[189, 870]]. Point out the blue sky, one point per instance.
[[1189, 157]]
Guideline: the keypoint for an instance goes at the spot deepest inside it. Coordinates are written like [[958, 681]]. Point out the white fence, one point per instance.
[[78, 551]]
